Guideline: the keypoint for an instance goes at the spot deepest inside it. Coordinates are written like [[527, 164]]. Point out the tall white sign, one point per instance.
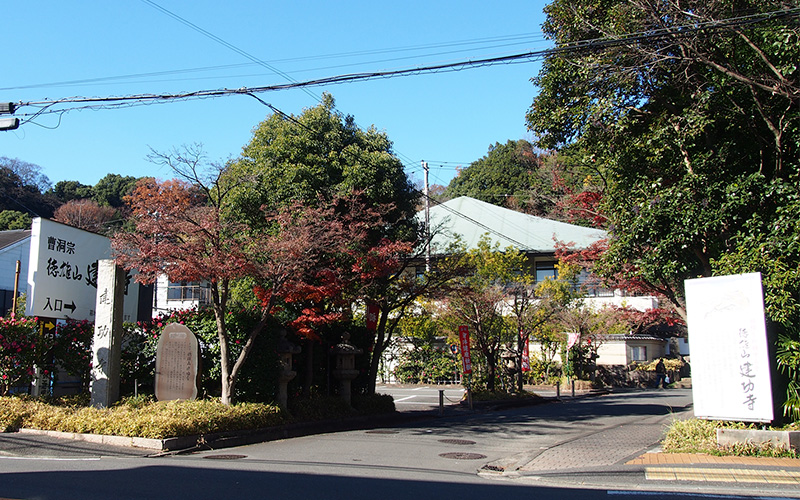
[[62, 274], [731, 378]]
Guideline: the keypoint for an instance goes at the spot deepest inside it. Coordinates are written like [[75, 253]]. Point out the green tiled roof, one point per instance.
[[471, 219]]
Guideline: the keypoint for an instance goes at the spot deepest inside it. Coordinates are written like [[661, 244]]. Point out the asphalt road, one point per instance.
[[572, 449], [420, 398]]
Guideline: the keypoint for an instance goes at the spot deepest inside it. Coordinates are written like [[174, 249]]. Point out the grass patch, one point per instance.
[[144, 417], [700, 436]]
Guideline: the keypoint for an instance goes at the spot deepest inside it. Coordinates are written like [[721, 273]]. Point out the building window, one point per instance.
[[639, 353], [545, 270], [193, 290]]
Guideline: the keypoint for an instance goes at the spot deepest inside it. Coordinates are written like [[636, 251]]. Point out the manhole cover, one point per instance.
[[380, 431], [456, 441], [462, 456], [225, 457]]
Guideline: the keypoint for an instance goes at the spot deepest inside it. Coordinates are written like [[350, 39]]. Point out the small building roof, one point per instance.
[[12, 236], [471, 219]]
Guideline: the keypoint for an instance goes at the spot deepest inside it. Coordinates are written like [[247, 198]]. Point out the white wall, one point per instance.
[[19, 251]]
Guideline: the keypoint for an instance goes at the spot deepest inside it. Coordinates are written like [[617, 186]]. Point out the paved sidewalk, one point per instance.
[[633, 448], [708, 468]]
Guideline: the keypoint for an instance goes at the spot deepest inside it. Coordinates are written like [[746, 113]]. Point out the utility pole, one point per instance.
[[16, 289], [8, 108], [427, 220]]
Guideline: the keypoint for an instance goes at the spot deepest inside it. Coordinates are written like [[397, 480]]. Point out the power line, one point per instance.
[[224, 43], [579, 46], [147, 75]]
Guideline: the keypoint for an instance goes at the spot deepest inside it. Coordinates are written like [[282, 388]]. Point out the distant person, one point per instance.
[[661, 374]]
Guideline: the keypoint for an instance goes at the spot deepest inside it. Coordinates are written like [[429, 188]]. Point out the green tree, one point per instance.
[[314, 158], [690, 113], [15, 194], [67, 191], [477, 300], [388, 279], [111, 190], [508, 175], [12, 219], [689, 117], [320, 153], [533, 306]]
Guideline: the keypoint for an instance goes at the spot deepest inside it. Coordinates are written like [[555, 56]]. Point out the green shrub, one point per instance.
[[484, 395], [700, 436], [316, 408], [374, 404], [139, 418]]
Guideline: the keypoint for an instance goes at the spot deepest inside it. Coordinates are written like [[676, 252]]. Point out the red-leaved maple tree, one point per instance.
[[183, 232]]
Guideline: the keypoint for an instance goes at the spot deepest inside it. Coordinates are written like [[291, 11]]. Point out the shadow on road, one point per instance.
[[168, 482]]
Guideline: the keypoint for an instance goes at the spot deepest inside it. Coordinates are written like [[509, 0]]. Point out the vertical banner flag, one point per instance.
[[463, 337], [372, 316], [526, 358], [572, 339]]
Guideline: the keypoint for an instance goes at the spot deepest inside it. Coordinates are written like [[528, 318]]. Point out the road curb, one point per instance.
[[229, 439]]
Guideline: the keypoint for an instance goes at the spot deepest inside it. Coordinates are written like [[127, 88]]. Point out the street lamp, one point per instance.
[[8, 108]]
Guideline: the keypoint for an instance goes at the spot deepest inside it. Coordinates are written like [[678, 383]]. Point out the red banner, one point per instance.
[[463, 337], [372, 316], [526, 358]]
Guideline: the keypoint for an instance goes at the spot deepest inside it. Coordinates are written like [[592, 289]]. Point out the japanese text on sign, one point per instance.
[[466, 360], [60, 245]]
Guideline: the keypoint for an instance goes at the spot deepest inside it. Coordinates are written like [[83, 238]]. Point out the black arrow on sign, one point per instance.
[[71, 307]]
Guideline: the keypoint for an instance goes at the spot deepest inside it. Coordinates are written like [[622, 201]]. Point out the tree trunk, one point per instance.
[[226, 396], [491, 370], [521, 340], [377, 351], [309, 376]]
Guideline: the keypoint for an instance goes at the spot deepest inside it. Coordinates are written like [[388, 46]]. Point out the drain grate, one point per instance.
[[225, 457], [462, 456], [382, 431], [456, 441]]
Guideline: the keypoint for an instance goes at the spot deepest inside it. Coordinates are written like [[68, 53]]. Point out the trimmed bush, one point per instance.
[[139, 418]]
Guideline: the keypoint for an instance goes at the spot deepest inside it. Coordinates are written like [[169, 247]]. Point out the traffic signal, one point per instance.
[[8, 108]]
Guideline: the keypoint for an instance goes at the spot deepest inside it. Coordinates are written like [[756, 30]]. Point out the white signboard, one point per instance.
[[62, 275], [728, 344]]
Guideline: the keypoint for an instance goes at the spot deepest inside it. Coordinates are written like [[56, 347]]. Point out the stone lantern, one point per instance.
[[509, 358], [285, 350], [510, 364], [345, 367]]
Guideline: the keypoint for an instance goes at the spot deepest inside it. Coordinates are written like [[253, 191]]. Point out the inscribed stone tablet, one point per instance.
[[176, 364]]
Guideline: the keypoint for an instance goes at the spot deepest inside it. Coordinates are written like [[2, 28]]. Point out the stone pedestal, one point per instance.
[[286, 351], [345, 367]]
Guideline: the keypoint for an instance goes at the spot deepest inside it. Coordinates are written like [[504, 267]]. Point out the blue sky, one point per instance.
[[56, 49]]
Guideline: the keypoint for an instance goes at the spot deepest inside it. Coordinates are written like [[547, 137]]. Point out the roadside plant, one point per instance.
[[72, 349], [20, 347]]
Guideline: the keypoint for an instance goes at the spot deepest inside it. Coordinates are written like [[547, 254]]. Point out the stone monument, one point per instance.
[[106, 345], [177, 363]]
